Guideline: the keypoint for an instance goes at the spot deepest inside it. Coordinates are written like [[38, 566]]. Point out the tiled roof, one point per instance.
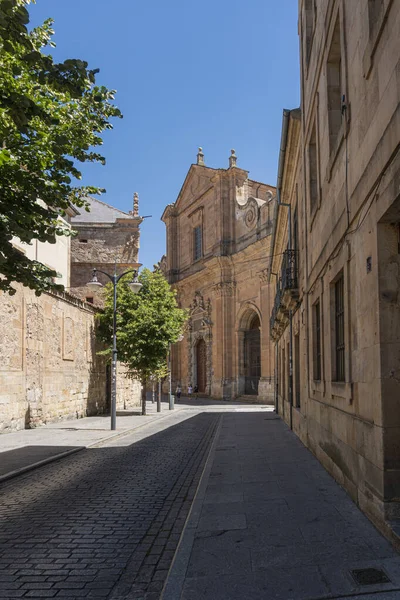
[[100, 212]]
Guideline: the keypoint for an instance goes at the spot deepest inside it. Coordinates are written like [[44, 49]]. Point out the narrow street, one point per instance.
[[213, 501], [103, 523]]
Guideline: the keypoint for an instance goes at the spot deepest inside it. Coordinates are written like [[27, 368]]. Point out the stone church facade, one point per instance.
[[218, 240]]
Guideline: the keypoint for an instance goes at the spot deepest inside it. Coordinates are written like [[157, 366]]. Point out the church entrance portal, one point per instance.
[[201, 361], [252, 357]]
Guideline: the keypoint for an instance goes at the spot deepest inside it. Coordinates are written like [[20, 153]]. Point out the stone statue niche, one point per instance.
[[200, 344]]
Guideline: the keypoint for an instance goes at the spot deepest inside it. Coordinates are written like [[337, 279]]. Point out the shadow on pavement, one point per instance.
[[20, 458], [88, 523]]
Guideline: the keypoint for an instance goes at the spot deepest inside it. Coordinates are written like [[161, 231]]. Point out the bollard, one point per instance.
[[171, 402]]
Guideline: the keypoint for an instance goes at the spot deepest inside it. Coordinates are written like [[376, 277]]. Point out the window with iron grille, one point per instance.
[[339, 330], [197, 246], [317, 341], [375, 9], [313, 168], [335, 86], [309, 20]]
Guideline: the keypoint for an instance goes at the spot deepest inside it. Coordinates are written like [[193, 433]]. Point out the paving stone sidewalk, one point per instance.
[[269, 523]]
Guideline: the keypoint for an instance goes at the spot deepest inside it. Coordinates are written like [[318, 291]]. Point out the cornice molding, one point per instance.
[[224, 288]]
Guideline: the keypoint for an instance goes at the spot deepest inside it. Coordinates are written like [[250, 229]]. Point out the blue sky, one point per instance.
[[212, 73]]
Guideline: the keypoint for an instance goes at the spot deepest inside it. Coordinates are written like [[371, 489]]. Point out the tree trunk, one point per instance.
[[144, 396]]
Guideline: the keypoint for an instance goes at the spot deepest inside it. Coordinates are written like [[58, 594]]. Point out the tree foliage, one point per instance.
[[51, 118], [147, 323]]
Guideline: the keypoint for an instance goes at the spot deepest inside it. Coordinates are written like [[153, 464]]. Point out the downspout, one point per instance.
[[276, 379], [282, 154]]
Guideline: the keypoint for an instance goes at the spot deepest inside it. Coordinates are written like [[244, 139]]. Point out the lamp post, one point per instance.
[[135, 286]]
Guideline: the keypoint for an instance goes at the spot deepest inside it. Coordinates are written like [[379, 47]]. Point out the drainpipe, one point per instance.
[[288, 206], [282, 153], [276, 379]]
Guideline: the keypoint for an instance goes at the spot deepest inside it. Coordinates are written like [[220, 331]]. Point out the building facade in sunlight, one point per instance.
[[335, 318], [50, 369], [106, 238], [218, 240]]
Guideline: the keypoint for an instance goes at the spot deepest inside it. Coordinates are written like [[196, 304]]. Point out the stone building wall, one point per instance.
[[49, 369], [345, 165], [105, 237]]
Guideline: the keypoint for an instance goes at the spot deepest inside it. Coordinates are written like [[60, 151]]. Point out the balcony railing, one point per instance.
[[287, 295], [289, 270]]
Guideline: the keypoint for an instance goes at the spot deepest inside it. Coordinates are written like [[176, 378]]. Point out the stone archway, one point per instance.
[[201, 365], [249, 347]]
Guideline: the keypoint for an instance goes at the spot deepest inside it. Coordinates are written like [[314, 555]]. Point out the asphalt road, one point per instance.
[[103, 523]]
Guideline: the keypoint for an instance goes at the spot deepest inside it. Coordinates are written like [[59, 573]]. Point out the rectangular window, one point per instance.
[[197, 245], [295, 230], [339, 329], [317, 341], [309, 26], [297, 369], [89, 299], [313, 169], [289, 389], [375, 10], [335, 91]]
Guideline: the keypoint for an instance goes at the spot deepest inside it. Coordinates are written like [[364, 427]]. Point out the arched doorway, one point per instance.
[[252, 356], [201, 365]]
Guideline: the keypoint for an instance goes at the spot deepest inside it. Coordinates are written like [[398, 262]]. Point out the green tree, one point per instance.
[[147, 323], [51, 117]]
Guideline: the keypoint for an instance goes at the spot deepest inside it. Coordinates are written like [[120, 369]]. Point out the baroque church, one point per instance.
[[218, 242]]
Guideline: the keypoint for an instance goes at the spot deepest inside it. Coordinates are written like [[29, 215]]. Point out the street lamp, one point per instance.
[[135, 286]]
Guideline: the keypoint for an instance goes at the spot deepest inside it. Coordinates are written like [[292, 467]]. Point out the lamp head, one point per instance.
[[94, 283], [135, 285]]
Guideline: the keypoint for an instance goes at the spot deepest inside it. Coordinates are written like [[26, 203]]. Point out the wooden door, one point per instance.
[[201, 362]]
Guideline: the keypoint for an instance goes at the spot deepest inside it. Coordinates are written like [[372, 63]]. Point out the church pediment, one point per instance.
[[198, 182]]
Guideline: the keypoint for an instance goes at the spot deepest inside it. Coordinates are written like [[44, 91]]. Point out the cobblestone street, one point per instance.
[[212, 501], [103, 523]]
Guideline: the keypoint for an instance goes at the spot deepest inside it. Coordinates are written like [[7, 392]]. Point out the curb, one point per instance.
[[176, 577], [126, 432], [55, 457], [40, 463]]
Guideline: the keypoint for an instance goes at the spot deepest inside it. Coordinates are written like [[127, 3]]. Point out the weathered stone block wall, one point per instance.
[[99, 246], [49, 369]]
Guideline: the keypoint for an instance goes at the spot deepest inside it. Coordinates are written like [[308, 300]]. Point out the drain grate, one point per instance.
[[369, 576]]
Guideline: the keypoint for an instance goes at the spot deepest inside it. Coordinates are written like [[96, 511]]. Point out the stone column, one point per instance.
[[224, 377], [240, 367]]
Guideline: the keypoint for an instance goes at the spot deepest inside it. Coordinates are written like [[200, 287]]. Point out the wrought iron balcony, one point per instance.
[[290, 292], [289, 270], [287, 294]]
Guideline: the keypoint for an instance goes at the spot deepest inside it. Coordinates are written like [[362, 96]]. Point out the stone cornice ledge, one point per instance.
[[224, 288]]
